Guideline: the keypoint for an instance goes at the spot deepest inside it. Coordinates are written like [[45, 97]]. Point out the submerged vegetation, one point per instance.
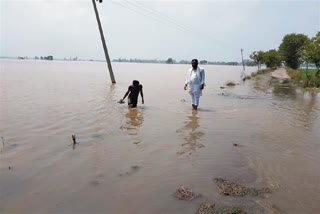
[[208, 208], [233, 189]]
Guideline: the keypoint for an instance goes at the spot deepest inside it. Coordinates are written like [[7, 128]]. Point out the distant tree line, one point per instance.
[[44, 57], [173, 61], [135, 60]]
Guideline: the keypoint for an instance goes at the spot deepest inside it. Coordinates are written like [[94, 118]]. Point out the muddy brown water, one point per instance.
[[132, 161]]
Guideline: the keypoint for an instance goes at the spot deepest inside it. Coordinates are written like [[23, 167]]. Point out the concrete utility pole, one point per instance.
[[242, 59], [103, 41]]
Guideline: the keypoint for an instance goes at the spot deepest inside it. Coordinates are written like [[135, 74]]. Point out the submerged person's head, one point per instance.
[[194, 63], [135, 82]]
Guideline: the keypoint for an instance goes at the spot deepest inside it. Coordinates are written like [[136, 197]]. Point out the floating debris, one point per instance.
[[9, 167], [135, 167], [234, 189], [213, 209], [185, 193], [230, 188], [207, 209], [137, 142], [235, 144], [230, 83], [2, 139]]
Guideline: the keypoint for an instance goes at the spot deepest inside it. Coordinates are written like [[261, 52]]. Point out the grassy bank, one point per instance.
[[260, 72], [300, 77], [311, 72]]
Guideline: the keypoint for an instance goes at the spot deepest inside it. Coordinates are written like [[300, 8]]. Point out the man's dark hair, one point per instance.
[[135, 82], [194, 60]]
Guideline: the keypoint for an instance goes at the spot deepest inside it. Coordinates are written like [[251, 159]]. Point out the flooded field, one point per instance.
[[132, 161]]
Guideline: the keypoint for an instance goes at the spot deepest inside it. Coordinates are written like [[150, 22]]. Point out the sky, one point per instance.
[[183, 30]]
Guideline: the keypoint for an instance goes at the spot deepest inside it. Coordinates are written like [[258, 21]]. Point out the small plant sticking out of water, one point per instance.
[[2, 139], [213, 209], [230, 83], [234, 189], [185, 193], [74, 141]]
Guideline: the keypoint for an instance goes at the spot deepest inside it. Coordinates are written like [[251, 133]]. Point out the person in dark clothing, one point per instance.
[[133, 92]]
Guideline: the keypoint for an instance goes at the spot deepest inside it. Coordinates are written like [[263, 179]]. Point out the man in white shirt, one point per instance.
[[195, 83]]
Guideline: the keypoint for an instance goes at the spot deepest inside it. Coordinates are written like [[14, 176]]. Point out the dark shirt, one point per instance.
[[134, 91]]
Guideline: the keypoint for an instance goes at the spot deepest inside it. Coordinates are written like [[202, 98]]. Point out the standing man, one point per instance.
[[195, 83]]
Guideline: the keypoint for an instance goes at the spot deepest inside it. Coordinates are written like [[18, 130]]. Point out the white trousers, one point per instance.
[[195, 99]]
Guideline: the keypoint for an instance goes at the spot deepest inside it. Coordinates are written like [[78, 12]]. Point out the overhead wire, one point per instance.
[[149, 14], [172, 20], [158, 14]]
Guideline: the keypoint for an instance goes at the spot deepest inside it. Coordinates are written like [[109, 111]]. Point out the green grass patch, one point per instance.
[[261, 72], [303, 72], [299, 77]]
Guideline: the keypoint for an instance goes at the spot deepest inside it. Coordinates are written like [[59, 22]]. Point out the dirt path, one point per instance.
[[280, 73]]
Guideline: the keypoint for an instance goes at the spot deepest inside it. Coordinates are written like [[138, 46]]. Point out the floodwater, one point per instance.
[[132, 161]]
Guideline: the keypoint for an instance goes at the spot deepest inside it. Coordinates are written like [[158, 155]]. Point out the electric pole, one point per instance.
[[103, 41], [242, 59]]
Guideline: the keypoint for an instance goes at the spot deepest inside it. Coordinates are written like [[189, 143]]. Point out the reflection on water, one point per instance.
[[282, 90], [191, 134], [134, 121]]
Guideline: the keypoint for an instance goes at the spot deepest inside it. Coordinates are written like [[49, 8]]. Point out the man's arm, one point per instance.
[[203, 77], [126, 94], [187, 81], [141, 93]]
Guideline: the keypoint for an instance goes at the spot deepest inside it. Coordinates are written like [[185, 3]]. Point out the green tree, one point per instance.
[[305, 56], [314, 52], [272, 58], [289, 48], [310, 52], [203, 62], [170, 61], [257, 57]]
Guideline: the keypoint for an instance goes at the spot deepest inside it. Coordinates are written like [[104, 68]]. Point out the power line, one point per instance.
[[157, 18], [158, 14], [170, 19], [166, 20]]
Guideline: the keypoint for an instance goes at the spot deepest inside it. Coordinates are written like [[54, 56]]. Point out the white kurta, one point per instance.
[[194, 80]]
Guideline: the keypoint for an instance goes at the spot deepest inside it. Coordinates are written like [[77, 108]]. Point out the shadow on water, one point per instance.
[[191, 134]]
